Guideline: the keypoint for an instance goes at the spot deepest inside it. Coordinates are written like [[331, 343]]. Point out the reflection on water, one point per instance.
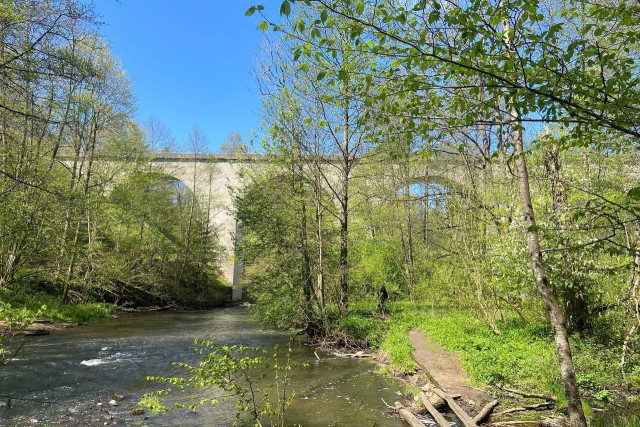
[[68, 378]]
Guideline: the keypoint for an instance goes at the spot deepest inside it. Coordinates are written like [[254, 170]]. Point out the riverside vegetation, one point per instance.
[[448, 150], [444, 150], [86, 223]]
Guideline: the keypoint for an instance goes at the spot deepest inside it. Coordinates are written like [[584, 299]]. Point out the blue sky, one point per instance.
[[189, 62]]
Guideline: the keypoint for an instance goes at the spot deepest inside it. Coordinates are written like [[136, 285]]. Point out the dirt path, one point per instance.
[[444, 369]]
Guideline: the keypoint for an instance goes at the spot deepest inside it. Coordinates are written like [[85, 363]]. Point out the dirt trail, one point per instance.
[[444, 369]]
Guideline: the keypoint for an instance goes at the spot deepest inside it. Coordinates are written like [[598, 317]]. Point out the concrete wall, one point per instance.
[[212, 178]]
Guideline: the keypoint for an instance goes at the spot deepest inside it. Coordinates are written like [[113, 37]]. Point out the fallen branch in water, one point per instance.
[[466, 420], [359, 354], [437, 416], [408, 416], [436, 400]]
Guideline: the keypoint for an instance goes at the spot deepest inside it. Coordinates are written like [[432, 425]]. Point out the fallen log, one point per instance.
[[513, 423], [411, 419], [537, 407], [547, 422], [554, 422], [485, 412], [527, 394], [437, 416], [357, 355], [436, 400], [431, 378], [462, 415]]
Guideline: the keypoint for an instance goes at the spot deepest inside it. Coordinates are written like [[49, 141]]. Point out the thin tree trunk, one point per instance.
[[407, 218], [547, 292], [552, 307], [425, 204], [307, 281], [344, 214], [320, 293]]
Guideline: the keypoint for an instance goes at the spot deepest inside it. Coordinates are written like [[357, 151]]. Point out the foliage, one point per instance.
[[522, 356], [451, 100], [255, 378], [13, 320], [82, 213], [28, 304]]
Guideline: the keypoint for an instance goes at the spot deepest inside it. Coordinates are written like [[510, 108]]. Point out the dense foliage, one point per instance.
[[83, 215], [458, 146]]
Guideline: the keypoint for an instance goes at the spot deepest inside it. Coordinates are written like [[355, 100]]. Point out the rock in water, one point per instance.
[[113, 402]]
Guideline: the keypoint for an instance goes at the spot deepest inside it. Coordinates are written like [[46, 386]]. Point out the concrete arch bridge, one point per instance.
[[214, 177]]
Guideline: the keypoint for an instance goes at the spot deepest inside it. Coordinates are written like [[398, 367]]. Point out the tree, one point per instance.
[[234, 145], [523, 63]]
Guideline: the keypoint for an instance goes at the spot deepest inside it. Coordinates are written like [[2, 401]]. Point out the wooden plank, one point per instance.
[[485, 412], [437, 416], [466, 420], [411, 419]]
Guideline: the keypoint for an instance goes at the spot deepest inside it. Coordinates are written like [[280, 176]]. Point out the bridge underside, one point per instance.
[[213, 178]]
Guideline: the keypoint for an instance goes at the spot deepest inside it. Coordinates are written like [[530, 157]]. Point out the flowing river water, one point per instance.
[[58, 380]]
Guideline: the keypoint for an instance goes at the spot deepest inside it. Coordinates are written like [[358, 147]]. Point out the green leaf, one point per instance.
[[360, 7], [634, 193], [263, 26], [321, 75], [285, 8], [323, 15], [420, 5], [250, 11]]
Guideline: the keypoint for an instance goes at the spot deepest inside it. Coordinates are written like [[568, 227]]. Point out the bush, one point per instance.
[[363, 328]]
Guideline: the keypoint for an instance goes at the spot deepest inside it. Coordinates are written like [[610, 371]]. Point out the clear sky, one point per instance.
[[189, 61]]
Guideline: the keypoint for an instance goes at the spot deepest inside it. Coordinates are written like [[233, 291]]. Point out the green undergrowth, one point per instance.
[[523, 355], [21, 305], [363, 324]]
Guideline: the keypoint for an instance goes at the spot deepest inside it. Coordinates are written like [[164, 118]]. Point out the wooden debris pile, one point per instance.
[[434, 399]]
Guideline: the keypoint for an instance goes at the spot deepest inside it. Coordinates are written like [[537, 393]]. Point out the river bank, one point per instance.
[[521, 356], [34, 310], [60, 379]]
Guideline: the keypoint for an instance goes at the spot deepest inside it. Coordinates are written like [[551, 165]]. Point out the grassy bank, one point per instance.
[[20, 306], [522, 356]]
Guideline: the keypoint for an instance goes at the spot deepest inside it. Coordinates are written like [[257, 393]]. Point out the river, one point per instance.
[[63, 377]]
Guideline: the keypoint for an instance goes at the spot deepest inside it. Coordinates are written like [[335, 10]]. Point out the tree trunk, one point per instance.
[[307, 281], [552, 307], [575, 296], [344, 214], [320, 294], [407, 219]]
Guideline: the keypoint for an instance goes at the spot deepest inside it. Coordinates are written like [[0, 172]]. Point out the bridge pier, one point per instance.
[[213, 178]]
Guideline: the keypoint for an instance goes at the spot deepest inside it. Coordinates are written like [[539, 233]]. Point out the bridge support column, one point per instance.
[[237, 267]]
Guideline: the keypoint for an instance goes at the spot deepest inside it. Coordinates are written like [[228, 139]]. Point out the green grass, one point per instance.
[[522, 356], [21, 305]]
